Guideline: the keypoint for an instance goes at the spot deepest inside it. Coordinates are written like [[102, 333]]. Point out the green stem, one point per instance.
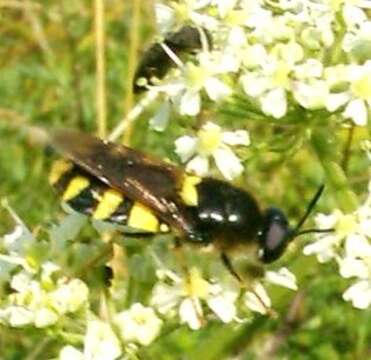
[[322, 143]]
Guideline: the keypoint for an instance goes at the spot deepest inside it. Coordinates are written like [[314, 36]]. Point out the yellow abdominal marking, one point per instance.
[[59, 168], [188, 193], [142, 218], [108, 204], [75, 187]]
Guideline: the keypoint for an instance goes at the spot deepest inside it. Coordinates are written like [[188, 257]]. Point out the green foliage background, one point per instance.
[[47, 76]]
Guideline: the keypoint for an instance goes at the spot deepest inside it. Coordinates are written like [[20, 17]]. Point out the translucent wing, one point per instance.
[[138, 176]]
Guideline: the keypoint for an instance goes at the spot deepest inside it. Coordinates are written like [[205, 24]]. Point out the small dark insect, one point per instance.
[[155, 62], [118, 184]]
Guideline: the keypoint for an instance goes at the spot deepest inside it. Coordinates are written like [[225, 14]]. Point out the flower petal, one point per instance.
[[198, 165], [185, 147], [190, 103], [282, 277], [359, 294], [357, 246], [223, 307], [165, 298], [189, 312], [258, 300], [311, 95], [70, 353], [274, 103], [160, 120], [323, 248], [253, 85], [357, 111], [238, 137], [138, 324], [216, 89], [228, 163], [350, 266], [101, 342], [335, 101]]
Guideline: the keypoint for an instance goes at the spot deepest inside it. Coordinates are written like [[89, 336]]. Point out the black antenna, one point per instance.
[[308, 231], [310, 207]]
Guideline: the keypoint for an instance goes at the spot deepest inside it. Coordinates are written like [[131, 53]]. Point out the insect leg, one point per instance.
[[228, 264]]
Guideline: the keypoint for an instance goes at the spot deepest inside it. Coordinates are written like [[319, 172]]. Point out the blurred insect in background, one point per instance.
[[158, 59]]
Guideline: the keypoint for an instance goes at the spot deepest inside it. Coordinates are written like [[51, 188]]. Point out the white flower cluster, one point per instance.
[[350, 246], [42, 301], [138, 325], [316, 52], [39, 295], [193, 299]]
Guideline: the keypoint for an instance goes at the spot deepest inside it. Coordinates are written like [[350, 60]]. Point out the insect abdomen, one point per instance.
[[155, 62], [89, 196]]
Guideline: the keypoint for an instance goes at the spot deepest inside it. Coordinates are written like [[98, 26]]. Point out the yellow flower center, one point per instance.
[[196, 76], [195, 285], [140, 319], [209, 140], [182, 12], [235, 18], [336, 4], [281, 75], [346, 225], [362, 87]]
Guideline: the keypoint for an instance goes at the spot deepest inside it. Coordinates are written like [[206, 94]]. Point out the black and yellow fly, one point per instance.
[[115, 183]]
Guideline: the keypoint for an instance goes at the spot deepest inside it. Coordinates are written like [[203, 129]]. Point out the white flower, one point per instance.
[[359, 294], [358, 107], [39, 300], [224, 6], [357, 111], [211, 141], [310, 68], [271, 80], [17, 316], [350, 246], [353, 16], [187, 295], [69, 297], [164, 17], [312, 94], [101, 342], [325, 246], [70, 353], [350, 266], [21, 281], [167, 17], [258, 300], [282, 277], [44, 317], [138, 324], [278, 55], [195, 79], [274, 103]]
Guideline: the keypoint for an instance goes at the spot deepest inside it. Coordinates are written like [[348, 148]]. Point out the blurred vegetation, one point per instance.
[[48, 77]]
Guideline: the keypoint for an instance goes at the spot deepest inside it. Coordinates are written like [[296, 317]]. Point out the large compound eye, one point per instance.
[[274, 236]]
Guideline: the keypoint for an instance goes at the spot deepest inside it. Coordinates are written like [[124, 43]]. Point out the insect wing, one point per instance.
[[138, 176]]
